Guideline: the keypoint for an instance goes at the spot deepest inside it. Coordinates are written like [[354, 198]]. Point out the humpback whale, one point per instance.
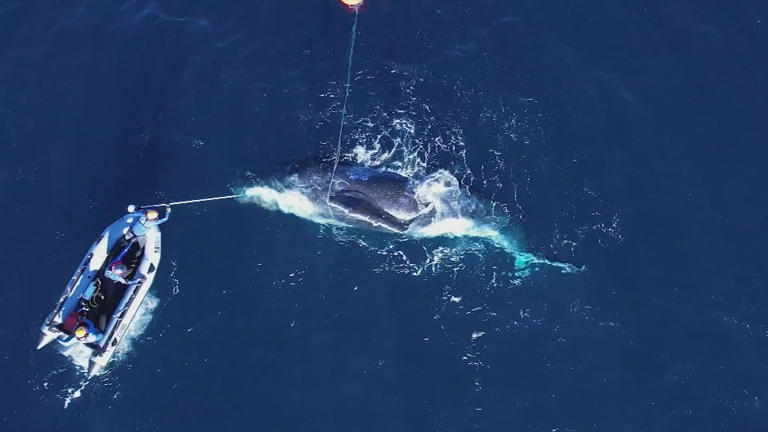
[[359, 195]]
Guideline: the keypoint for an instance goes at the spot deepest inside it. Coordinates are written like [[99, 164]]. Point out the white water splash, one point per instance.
[[450, 216], [287, 201], [140, 322], [395, 148], [427, 143], [175, 285], [79, 355], [73, 393]]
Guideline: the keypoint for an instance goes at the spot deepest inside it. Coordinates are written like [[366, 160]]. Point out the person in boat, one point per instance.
[[86, 332], [147, 220], [117, 272]]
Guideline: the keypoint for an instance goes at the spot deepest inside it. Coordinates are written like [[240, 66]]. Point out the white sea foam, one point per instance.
[[411, 140], [285, 200], [73, 393], [79, 355], [450, 216]]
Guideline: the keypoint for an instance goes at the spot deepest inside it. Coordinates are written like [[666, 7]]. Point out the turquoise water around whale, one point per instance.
[[622, 138]]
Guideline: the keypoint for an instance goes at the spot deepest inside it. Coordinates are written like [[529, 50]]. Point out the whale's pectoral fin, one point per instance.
[[360, 206]]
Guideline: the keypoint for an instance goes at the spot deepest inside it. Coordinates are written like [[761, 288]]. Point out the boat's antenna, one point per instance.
[[175, 203]]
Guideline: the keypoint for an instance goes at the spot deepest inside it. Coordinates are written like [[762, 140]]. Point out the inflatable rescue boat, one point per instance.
[[96, 309]]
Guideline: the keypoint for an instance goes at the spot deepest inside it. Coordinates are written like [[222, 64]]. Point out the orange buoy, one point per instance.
[[352, 3]]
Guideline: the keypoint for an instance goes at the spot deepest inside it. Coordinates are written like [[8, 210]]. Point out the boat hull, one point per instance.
[[115, 314]]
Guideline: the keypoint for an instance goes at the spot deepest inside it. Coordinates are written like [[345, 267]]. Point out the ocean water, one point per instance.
[[616, 147]]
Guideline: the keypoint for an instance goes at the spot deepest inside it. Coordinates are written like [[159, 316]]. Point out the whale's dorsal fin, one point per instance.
[[360, 206]]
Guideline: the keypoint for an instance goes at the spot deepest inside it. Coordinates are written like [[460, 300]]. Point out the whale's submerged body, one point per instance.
[[359, 195]]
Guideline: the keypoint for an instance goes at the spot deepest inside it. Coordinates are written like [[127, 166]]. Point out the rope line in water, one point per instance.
[[193, 201], [343, 111]]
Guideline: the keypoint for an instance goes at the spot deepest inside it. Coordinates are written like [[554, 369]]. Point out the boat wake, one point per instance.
[[80, 355]]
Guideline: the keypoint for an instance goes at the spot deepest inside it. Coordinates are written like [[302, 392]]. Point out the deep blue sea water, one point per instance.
[[627, 137]]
